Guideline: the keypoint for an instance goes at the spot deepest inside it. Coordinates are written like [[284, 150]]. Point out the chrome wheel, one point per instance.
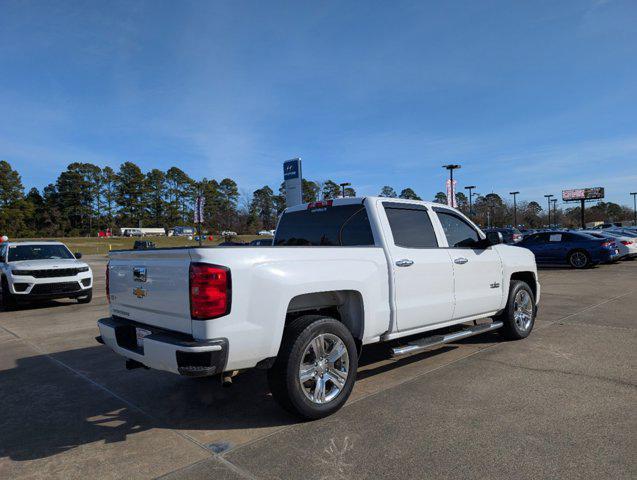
[[324, 368], [579, 259], [522, 310]]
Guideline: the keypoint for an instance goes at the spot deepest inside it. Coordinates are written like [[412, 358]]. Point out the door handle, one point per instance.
[[460, 261], [405, 262]]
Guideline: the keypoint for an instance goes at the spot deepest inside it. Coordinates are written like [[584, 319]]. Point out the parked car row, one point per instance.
[[581, 248]]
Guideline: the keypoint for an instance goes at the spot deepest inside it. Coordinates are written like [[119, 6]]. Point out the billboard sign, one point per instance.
[[594, 193], [293, 182]]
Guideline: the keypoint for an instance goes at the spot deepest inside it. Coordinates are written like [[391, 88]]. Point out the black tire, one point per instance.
[[514, 328], [579, 259], [86, 298], [7, 300], [283, 377]]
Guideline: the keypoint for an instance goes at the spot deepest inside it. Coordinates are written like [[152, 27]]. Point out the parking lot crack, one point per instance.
[[10, 332], [614, 381]]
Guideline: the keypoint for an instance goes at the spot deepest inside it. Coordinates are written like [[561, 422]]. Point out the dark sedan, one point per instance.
[[579, 250]]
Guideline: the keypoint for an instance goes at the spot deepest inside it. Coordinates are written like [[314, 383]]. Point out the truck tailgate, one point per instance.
[[151, 287]]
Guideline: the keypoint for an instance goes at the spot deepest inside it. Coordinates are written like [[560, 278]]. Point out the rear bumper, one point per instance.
[[165, 350]]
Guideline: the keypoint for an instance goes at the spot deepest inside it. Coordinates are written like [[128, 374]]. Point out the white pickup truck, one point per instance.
[[341, 274]]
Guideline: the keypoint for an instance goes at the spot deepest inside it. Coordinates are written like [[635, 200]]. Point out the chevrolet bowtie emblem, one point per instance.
[[139, 292]]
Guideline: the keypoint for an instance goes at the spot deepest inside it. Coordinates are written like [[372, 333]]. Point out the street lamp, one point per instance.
[[451, 168], [634, 194], [515, 209], [548, 199], [554, 200], [343, 185], [470, 188]]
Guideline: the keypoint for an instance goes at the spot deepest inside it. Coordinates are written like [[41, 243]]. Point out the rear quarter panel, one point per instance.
[[266, 279]]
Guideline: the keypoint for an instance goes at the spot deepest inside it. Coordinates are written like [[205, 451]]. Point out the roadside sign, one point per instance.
[[594, 193]]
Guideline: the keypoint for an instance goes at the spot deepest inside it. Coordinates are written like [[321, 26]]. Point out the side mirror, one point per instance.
[[78, 255], [495, 238]]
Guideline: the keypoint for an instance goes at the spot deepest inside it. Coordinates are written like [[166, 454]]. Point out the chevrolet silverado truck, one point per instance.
[[340, 274]]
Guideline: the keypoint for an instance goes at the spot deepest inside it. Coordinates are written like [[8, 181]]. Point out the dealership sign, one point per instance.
[[595, 193], [293, 182]]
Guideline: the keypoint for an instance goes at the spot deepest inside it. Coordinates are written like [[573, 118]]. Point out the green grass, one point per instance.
[[101, 246]]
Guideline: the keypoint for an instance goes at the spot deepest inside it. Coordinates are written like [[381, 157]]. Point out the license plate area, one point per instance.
[[140, 333], [131, 337]]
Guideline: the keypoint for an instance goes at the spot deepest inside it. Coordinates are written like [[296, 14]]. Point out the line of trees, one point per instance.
[[87, 198], [492, 210]]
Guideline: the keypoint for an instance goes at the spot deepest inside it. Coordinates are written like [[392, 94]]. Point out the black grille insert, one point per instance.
[[50, 273], [62, 287]]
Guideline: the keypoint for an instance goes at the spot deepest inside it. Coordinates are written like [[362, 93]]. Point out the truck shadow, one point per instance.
[[58, 402]]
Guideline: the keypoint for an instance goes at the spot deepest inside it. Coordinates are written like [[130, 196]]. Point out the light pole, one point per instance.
[[554, 200], [634, 194], [470, 188], [548, 199], [343, 185], [451, 168], [515, 209]]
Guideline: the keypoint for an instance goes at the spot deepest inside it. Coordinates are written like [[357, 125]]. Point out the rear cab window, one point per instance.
[[324, 225]]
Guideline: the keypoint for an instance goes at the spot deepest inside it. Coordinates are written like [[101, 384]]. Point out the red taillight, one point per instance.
[[108, 290], [605, 244], [626, 242], [210, 292]]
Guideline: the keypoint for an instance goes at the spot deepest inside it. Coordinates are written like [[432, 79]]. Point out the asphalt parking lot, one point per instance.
[[560, 404]]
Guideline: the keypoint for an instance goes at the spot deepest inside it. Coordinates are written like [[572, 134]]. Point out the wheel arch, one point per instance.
[[346, 306], [527, 277]]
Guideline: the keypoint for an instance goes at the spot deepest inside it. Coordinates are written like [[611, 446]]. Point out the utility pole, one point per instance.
[[343, 185], [634, 194], [451, 168], [515, 209], [554, 200], [548, 200], [470, 188]]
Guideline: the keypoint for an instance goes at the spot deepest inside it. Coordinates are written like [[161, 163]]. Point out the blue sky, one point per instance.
[[529, 96]]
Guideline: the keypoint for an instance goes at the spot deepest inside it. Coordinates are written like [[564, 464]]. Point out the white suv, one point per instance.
[[42, 270]]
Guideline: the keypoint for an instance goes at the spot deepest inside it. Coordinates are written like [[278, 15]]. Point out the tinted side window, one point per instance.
[[411, 228], [459, 233], [531, 238], [567, 237], [356, 230]]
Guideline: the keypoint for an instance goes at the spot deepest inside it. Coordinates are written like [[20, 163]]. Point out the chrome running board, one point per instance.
[[435, 340]]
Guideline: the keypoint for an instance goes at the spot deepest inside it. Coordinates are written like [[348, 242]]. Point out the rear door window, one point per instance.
[[410, 225]]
